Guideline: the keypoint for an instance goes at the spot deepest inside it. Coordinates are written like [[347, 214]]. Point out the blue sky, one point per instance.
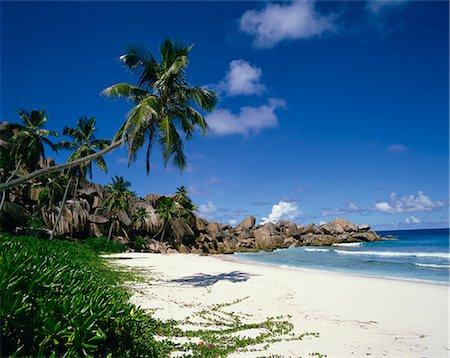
[[327, 109]]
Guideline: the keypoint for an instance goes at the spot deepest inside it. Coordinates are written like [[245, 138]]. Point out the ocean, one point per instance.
[[414, 255]]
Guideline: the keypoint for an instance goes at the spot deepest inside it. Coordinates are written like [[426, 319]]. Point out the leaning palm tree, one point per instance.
[[164, 103], [27, 144], [117, 198], [83, 144]]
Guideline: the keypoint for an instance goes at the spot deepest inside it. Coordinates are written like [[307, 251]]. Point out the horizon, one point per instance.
[[343, 114]]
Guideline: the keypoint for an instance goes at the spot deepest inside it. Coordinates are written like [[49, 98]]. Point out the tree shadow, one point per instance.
[[202, 280]]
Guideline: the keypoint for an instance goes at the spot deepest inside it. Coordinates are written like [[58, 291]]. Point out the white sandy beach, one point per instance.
[[355, 316]]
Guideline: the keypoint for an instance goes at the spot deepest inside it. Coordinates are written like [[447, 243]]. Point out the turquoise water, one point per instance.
[[415, 255]]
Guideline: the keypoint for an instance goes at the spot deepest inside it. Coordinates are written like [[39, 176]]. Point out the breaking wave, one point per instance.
[[441, 255]]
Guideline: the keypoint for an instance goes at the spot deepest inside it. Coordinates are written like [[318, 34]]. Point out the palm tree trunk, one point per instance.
[[59, 167], [77, 182], [159, 231], [110, 229], [63, 203], [7, 180]]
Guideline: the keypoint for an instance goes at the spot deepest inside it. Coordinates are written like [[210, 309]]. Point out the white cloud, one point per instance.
[[242, 79], [413, 220], [408, 203], [322, 222], [250, 120], [282, 211], [397, 148], [350, 207], [278, 22], [207, 208], [232, 222]]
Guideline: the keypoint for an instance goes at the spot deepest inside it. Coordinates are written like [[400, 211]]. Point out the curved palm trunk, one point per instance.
[[7, 180], [63, 203], [59, 167]]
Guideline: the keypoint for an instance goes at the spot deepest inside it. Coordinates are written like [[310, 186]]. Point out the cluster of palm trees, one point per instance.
[[164, 112]]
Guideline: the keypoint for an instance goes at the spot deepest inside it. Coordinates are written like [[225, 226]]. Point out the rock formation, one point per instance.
[[84, 216]]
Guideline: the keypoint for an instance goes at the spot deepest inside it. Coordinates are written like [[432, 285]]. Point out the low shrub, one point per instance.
[[103, 245], [139, 243], [59, 298]]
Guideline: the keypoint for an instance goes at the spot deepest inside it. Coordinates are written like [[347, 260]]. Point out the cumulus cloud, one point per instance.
[[232, 222], [413, 220], [207, 208], [282, 211], [242, 79], [397, 148], [408, 203], [278, 22], [250, 120]]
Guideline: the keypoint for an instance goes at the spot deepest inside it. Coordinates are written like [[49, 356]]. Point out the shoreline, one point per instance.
[[232, 257], [354, 315]]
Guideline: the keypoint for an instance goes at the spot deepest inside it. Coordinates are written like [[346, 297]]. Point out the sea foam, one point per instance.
[[436, 266], [441, 255], [348, 244], [319, 250]]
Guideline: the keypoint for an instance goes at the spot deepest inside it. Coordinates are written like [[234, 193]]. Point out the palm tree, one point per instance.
[[84, 144], [28, 142], [55, 187], [182, 197], [117, 199], [168, 211], [139, 216], [164, 103]]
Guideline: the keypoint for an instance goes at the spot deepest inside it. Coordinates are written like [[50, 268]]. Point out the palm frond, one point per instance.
[[125, 90]]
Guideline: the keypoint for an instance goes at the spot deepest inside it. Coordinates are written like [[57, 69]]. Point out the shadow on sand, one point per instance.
[[202, 279]]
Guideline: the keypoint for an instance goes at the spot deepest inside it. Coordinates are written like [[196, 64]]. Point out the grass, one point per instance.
[[60, 298]]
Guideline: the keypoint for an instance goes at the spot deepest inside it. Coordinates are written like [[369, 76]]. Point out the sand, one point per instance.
[[354, 315]]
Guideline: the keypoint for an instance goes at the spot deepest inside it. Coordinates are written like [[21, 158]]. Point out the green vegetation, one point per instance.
[[164, 101], [61, 299], [103, 245]]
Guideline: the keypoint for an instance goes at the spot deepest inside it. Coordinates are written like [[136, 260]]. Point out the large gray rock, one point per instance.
[[97, 219], [124, 218], [331, 229], [12, 216], [230, 244], [214, 229], [363, 227], [200, 224], [291, 229], [346, 225], [264, 239], [308, 229], [247, 223], [366, 236]]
